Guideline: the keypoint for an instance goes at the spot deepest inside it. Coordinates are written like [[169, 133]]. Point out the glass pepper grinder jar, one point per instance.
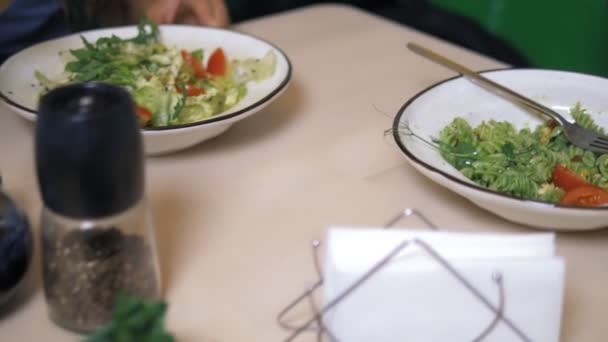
[[97, 235]]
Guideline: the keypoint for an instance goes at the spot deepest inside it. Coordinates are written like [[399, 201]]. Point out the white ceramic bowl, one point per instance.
[[434, 108], [20, 89]]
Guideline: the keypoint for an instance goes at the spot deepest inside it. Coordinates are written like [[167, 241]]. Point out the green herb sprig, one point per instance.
[[179, 106], [134, 320], [103, 60]]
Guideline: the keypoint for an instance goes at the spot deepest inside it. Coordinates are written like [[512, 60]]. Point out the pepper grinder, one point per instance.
[[97, 236], [15, 247]]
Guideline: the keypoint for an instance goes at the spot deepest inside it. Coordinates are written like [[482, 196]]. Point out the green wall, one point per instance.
[[555, 34]]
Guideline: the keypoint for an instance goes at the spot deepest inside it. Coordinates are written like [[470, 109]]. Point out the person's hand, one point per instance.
[[193, 12]]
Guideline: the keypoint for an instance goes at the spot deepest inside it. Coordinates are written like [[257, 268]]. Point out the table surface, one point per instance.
[[235, 215]]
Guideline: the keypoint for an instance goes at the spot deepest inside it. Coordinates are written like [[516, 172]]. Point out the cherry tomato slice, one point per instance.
[[217, 63], [195, 63], [143, 114], [585, 196], [191, 90], [567, 179]]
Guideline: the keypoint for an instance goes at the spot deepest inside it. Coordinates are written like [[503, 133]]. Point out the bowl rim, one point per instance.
[[216, 118], [412, 157]]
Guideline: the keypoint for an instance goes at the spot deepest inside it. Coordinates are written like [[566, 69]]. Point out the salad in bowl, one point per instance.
[[536, 163], [189, 83], [506, 159], [170, 85]]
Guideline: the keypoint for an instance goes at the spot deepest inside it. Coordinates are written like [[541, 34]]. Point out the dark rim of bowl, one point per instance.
[[216, 118], [412, 157]]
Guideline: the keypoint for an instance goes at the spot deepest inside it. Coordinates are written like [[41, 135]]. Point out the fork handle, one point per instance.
[[488, 84]]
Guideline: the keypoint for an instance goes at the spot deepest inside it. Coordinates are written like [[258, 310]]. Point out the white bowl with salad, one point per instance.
[[505, 159], [189, 83]]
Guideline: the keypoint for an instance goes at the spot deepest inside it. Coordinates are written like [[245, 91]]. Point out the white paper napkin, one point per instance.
[[415, 299]]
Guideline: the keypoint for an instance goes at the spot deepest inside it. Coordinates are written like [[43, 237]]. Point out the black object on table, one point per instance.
[[15, 247]]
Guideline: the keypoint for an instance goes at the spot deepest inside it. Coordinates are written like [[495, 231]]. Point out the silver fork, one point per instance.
[[577, 135]]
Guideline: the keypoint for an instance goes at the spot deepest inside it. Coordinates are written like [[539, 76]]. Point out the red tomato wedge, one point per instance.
[[586, 196], [567, 179], [143, 114], [191, 90], [195, 63], [216, 65]]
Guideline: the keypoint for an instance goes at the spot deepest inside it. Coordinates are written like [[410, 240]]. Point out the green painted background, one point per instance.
[[556, 34]]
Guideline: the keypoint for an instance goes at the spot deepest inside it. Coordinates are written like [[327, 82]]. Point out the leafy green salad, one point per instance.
[[170, 86], [538, 163]]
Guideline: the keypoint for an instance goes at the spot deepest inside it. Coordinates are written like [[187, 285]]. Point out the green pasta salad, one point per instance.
[[532, 163]]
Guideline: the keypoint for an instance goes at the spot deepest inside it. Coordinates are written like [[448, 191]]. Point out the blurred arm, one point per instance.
[[193, 12]]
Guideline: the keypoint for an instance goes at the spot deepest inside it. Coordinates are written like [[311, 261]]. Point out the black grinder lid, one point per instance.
[[89, 156]]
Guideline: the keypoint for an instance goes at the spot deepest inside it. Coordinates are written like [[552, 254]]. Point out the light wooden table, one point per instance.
[[235, 215]]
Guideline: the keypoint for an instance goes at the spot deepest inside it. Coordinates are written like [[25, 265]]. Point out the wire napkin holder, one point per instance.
[[314, 324]]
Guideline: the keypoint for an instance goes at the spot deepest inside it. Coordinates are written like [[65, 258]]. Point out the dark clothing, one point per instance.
[[27, 22]]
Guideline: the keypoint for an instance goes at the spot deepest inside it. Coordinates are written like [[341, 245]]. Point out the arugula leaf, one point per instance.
[[111, 41], [103, 60], [198, 54], [179, 105], [82, 53], [147, 32], [465, 153], [134, 320], [87, 44]]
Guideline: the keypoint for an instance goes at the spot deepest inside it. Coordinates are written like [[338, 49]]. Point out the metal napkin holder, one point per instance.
[[315, 324]]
